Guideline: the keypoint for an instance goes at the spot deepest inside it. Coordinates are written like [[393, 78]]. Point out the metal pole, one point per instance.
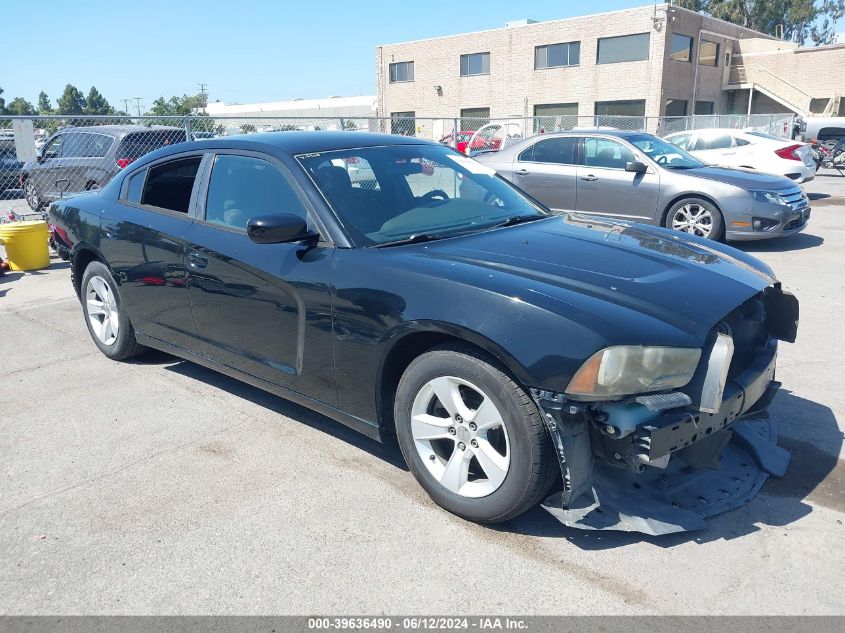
[[750, 98], [187, 124]]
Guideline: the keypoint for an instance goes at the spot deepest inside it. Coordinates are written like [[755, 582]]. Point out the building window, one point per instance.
[[708, 53], [474, 118], [475, 64], [704, 107], [557, 55], [401, 71], [680, 48], [550, 117], [620, 108], [676, 107], [403, 123], [626, 48]]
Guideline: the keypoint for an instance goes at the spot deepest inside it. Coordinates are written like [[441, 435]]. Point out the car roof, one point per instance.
[[295, 142]]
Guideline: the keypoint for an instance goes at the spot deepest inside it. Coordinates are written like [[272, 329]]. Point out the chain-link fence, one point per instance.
[[44, 158]]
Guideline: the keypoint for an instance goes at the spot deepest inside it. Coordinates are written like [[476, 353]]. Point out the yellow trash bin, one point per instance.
[[26, 244]]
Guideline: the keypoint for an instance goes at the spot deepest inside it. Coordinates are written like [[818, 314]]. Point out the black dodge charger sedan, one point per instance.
[[406, 290]]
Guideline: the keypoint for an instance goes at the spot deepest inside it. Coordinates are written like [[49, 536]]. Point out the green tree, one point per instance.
[[44, 105], [95, 103], [247, 128], [71, 101], [801, 20], [20, 107], [178, 106], [2, 103]]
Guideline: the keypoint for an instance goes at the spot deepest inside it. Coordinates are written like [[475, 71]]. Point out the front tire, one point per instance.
[[471, 436], [30, 192], [695, 216], [105, 316]]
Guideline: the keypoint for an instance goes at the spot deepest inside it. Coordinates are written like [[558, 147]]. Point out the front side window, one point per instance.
[[680, 48], [475, 64], [556, 55], [414, 190], [401, 71], [242, 187], [625, 48], [93, 145], [557, 151], [169, 185], [665, 154], [53, 149], [606, 153], [708, 53]]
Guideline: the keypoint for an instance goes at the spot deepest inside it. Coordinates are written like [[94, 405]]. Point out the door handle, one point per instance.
[[197, 260], [521, 172], [589, 178]]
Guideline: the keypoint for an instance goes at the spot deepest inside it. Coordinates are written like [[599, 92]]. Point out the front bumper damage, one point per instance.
[[679, 466]]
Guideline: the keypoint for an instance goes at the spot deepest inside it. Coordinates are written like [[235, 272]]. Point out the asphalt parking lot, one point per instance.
[[158, 487]]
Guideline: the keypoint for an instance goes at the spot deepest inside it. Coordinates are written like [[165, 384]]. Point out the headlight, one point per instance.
[[772, 197], [628, 369]]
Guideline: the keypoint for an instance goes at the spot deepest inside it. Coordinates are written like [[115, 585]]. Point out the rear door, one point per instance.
[[548, 170], [264, 309], [605, 188], [142, 238]]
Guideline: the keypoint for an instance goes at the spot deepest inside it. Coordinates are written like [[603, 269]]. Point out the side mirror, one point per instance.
[[279, 228], [636, 166]]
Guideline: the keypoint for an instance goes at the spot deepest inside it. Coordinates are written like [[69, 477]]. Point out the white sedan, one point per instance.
[[750, 149]]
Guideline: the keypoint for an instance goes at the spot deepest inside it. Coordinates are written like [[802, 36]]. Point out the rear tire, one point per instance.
[[110, 329], [471, 436], [695, 216], [30, 192]]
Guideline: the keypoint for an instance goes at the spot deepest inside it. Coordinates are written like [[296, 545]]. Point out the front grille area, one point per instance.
[[795, 198], [797, 223]]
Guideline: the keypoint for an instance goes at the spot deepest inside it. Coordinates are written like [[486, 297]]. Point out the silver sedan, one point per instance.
[[640, 177]]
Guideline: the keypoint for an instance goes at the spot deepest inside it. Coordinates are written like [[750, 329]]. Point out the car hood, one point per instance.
[[588, 263], [743, 178]]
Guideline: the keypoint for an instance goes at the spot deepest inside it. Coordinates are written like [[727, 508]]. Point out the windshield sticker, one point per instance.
[[472, 166]]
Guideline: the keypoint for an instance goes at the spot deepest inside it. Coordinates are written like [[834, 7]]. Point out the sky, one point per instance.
[[258, 50]]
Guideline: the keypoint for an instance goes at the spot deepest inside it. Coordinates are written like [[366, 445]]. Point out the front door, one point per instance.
[[605, 188], [142, 239], [548, 171], [264, 309]]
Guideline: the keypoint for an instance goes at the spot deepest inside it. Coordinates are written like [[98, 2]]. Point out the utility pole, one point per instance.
[[202, 92], [125, 105], [138, 104]]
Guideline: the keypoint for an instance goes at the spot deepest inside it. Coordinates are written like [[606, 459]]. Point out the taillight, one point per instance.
[[789, 153], [123, 163]]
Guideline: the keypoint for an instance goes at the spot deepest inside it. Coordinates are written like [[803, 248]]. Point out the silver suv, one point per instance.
[[640, 177], [84, 158]]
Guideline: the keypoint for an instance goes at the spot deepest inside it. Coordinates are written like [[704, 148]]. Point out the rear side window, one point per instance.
[[242, 187], [559, 151], [713, 142], [169, 185], [135, 186], [136, 144]]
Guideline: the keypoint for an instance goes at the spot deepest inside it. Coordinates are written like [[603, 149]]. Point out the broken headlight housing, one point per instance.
[[629, 369]]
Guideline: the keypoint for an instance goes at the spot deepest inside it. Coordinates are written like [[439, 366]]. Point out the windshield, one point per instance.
[[392, 193], [664, 153]]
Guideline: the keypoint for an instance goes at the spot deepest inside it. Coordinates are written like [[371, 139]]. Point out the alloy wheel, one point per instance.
[[31, 195], [101, 309], [693, 218], [460, 436]]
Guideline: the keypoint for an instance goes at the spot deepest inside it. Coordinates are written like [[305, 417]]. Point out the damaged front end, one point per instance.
[[663, 461]]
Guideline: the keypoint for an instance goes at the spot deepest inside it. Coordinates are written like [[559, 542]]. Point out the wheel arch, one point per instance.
[[690, 194], [82, 256], [420, 337]]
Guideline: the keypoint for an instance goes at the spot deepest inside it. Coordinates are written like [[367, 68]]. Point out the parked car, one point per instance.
[[480, 143], [10, 167], [749, 149], [640, 177], [821, 129], [86, 158], [503, 345]]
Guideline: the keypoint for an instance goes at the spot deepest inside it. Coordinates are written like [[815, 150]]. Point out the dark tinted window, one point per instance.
[[169, 185], [831, 133], [627, 48], [475, 64], [133, 189], [704, 107], [137, 144], [713, 142], [242, 187], [676, 107], [680, 48], [561, 151]]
